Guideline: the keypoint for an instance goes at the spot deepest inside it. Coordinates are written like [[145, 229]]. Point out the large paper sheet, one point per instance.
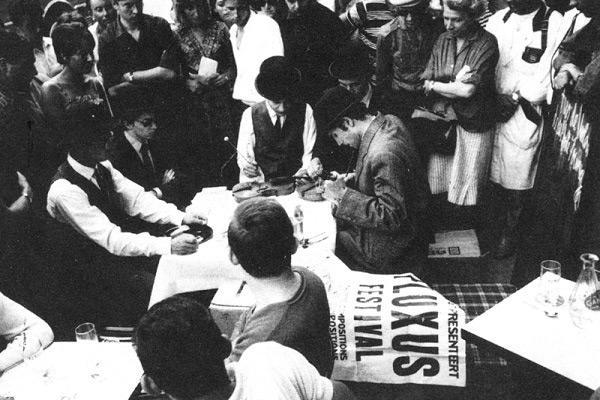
[[395, 329]]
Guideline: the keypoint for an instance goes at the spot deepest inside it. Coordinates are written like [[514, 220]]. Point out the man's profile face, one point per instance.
[[237, 11], [346, 135], [129, 10], [144, 127], [358, 87], [102, 11], [297, 7]]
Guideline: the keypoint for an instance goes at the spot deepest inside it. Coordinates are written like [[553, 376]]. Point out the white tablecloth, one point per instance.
[[63, 371], [210, 266]]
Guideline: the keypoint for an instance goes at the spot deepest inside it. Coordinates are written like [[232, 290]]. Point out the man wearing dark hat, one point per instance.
[[105, 264], [277, 135], [403, 50], [380, 211]]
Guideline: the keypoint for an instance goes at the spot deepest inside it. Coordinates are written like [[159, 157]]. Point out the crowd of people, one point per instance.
[[111, 122]]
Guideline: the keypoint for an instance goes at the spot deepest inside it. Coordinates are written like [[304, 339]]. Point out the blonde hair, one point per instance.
[[473, 8]]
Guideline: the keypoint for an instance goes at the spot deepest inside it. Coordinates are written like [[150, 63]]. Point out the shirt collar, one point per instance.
[[135, 143], [81, 169], [120, 29], [366, 100]]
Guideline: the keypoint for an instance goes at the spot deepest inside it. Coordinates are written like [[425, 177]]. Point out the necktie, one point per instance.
[[146, 160], [278, 124], [238, 36], [105, 182]]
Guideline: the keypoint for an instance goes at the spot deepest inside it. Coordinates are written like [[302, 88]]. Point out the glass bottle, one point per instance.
[[586, 286], [299, 224]]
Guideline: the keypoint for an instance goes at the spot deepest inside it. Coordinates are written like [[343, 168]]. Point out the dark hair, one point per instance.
[[69, 37], [356, 111], [52, 14], [14, 47], [261, 236], [181, 348], [180, 5], [19, 10], [257, 5]]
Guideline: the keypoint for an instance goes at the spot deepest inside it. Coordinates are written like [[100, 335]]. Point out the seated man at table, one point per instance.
[[16, 322], [106, 266], [135, 154], [277, 135], [182, 353], [291, 303], [380, 214]]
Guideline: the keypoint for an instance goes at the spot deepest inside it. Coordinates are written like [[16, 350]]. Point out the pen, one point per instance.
[[241, 287]]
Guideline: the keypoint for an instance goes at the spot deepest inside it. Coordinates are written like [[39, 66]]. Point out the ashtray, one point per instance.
[[202, 232]]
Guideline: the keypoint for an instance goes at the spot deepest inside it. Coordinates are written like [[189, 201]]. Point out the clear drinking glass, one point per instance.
[[549, 294], [86, 335], [299, 223]]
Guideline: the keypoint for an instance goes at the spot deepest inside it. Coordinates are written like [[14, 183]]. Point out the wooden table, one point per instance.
[[62, 372], [210, 266], [518, 326]]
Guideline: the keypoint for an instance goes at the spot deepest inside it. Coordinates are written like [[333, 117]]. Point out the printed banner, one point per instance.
[[395, 329]]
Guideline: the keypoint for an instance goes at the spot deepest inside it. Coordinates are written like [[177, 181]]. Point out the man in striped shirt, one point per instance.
[[365, 18]]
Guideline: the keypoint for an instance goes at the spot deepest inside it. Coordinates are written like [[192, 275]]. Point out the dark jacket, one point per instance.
[[384, 211]]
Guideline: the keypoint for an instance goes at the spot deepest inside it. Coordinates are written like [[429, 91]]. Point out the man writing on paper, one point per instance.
[[380, 211]]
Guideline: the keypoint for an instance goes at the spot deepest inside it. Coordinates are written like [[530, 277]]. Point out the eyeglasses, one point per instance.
[[146, 122]]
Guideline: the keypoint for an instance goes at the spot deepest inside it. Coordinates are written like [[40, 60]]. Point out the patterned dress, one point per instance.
[[210, 108]]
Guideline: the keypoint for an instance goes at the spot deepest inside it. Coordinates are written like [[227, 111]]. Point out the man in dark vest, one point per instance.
[[108, 270], [277, 135]]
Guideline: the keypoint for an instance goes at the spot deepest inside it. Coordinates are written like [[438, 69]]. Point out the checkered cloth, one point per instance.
[[475, 299]]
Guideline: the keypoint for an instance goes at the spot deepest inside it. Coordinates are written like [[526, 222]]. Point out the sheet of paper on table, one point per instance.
[[519, 326], [455, 244], [62, 372]]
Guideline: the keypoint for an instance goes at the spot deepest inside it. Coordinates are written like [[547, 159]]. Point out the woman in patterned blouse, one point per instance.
[[201, 36]]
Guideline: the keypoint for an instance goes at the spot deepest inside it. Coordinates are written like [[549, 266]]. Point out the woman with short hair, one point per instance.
[[459, 83], [73, 101]]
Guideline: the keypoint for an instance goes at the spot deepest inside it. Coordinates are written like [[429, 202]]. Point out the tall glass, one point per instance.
[[581, 309], [86, 335], [549, 294]]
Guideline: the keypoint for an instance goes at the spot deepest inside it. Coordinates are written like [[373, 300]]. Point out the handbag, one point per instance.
[[433, 133]]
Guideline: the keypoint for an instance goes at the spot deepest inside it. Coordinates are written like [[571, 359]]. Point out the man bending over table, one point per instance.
[[277, 135], [291, 303], [182, 353], [109, 267], [381, 211]]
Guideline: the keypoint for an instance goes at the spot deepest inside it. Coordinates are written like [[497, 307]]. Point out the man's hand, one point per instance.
[[194, 219], [184, 244], [506, 107], [168, 176], [334, 190], [464, 74], [251, 170], [219, 80]]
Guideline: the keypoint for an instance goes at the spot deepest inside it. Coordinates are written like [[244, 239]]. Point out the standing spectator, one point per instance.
[[137, 49], [26, 16], [103, 13], [365, 19], [312, 35], [459, 81], [53, 10], [528, 35], [276, 9], [403, 49], [72, 101], [254, 38], [140, 54], [210, 107]]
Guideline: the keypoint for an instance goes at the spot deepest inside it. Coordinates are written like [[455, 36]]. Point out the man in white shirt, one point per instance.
[[254, 38], [277, 135], [103, 12], [92, 204], [182, 353], [528, 35]]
